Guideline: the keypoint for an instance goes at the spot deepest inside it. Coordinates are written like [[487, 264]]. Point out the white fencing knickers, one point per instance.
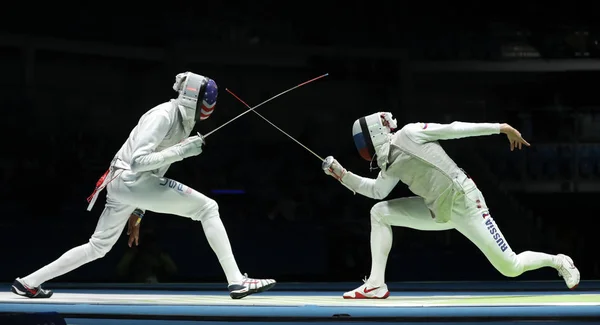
[[470, 216], [164, 195], [127, 191]]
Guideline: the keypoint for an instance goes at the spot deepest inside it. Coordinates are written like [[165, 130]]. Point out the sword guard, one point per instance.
[[201, 137], [327, 163]]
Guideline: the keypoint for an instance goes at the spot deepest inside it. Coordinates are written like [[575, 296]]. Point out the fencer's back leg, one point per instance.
[[110, 226]]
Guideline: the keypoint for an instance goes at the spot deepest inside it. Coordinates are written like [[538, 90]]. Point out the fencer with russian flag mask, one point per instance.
[[446, 198], [135, 183]]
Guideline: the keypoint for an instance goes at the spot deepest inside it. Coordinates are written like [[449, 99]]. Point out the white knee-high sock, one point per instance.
[[534, 260], [69, 261], [381, 244], [219, 242]]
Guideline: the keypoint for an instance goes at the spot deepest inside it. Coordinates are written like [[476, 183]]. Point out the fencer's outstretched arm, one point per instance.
[[152, 131], [427, 132], [378, 188]]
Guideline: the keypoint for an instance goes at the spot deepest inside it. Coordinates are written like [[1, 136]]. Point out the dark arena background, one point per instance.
[[75, 81]]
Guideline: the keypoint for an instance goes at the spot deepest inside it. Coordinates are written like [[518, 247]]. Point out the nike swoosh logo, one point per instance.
[[369, 290]]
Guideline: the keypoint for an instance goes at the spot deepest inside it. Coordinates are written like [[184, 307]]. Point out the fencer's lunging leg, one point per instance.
[[110, 226], [381, 244], [218, 240], [164, 195], [240, 285], [408, 212]]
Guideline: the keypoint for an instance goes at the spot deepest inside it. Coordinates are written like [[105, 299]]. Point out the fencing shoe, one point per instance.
[[249, 286], [568, 271], [366, 291], [20, 288]]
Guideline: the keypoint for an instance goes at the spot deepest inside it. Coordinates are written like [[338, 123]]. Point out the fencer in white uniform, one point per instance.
[[135, 182], [446, 198]]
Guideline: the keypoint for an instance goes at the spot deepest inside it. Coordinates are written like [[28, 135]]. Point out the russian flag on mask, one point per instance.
[[209, 100], [361, 145]]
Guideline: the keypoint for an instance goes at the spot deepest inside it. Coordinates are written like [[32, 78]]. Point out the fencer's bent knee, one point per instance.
[[209, 210], [377, 211]]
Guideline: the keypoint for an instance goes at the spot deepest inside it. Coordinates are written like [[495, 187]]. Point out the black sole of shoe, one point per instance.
[[251, 292]]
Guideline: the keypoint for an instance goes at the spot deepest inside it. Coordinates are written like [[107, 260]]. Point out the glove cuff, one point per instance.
[[343, 173], [351, 180]]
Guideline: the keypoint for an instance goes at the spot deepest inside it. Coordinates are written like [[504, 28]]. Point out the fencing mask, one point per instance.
[[197, 95], [371, 132]]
